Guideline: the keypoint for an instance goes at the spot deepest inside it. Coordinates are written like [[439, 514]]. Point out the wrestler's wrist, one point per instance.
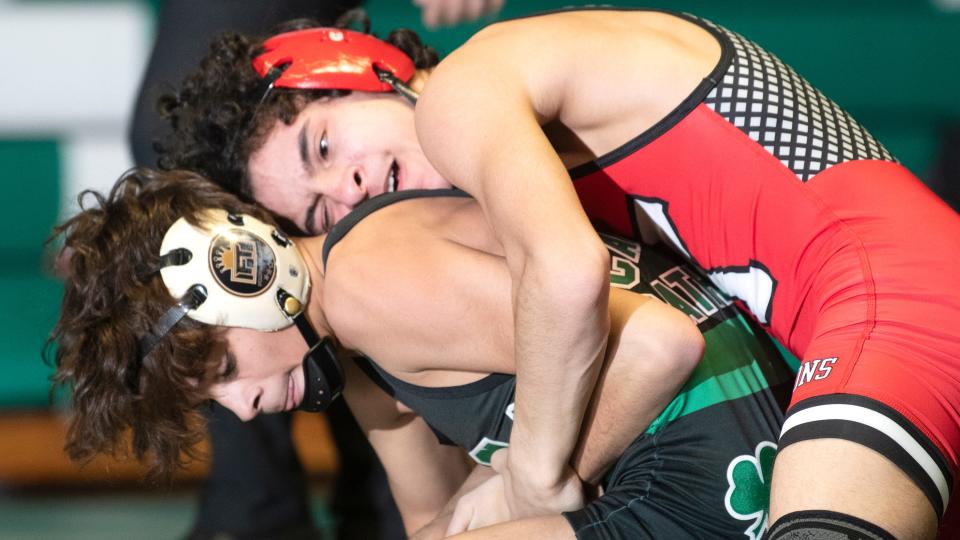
[[538, 477]]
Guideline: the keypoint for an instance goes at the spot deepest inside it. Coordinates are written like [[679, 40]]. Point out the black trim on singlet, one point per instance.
[[368, 367], [370, 206], [872, 438], [393, 384], [677, 114], [752, 263]]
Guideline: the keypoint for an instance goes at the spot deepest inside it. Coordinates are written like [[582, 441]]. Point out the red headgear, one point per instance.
[[333, 58]]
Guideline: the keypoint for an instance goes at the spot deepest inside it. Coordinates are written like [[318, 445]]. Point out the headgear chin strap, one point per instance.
[[239, 272], [334, 59]]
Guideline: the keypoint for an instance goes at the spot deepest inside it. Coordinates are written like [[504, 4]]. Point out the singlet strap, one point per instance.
[[370, 206]]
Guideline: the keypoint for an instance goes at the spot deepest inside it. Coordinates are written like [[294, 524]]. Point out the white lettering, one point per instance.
[[806, 372], [825, 368]]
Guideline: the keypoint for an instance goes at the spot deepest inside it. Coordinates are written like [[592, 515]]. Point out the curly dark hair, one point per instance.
[[113, 295], [220, 102]]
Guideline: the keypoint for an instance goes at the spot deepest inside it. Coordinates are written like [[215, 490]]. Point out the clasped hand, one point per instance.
[[506, 496]]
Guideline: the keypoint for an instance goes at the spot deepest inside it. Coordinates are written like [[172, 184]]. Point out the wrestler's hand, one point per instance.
[[526, 499], [484, 505], [450, 12], [435, 530]]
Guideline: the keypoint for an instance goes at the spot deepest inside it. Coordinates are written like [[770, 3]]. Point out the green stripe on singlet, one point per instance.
[[730, 369]]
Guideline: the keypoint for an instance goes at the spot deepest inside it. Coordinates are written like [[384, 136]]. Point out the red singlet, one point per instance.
[[791, 207]]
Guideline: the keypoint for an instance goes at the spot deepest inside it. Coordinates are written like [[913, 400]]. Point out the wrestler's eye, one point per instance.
[[228, 368], [324, 146]]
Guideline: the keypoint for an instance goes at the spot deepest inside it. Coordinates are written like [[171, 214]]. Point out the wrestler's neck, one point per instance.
[[311, 249]]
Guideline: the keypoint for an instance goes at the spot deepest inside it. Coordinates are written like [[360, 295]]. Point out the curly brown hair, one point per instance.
[[114, 295], [219, 103]]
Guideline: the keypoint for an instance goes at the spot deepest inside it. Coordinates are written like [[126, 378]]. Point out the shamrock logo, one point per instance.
[[748, 497]]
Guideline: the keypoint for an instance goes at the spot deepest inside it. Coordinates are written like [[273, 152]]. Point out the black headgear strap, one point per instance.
[[192, 299], [259, 94], [398, 86], [175, 257], [322, 374]]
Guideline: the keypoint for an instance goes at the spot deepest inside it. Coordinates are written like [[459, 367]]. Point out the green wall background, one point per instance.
[[891, 63]]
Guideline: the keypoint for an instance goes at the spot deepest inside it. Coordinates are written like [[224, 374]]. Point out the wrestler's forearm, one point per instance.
[[559, 349], [651, 352], [558, 265]]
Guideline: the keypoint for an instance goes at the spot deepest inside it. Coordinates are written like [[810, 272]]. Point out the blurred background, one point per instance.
[[71, 72]]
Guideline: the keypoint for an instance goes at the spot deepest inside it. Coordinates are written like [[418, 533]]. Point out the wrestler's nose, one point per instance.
[[351, 188], [242, 401]]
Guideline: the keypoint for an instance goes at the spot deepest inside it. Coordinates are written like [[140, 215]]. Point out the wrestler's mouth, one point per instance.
[[288, 399], [293, 393], [393, 177]]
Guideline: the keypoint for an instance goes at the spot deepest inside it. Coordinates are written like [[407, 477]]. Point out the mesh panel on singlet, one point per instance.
[[782, 112]]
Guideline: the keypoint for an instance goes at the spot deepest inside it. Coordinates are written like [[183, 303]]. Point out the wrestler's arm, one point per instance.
[[607, 430], [445, 306], [557, 263], [438, 527], [652, 349], [423, 474]]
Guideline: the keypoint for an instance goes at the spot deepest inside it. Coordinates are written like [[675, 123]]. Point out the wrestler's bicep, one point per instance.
[[481, 129]]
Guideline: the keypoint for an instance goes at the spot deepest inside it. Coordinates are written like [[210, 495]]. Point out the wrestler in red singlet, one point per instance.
[[840, 251]]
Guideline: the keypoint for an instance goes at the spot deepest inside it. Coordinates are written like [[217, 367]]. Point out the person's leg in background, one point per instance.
[[944, 176], [256, 487], [361, 489]]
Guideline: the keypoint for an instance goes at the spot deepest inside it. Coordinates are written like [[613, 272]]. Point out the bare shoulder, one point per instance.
[[401, 233], [641, 62], [395, 286], [382, 277], [555, 42], [360, 270]]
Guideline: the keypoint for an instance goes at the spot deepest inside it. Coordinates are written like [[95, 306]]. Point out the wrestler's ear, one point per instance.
[[499, 460]]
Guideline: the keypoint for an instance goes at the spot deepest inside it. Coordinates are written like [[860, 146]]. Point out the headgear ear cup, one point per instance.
[[243, 263], [335, 59]]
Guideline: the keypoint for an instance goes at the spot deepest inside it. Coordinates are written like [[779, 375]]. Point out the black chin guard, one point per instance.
[[322, 377], [322, 374]]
